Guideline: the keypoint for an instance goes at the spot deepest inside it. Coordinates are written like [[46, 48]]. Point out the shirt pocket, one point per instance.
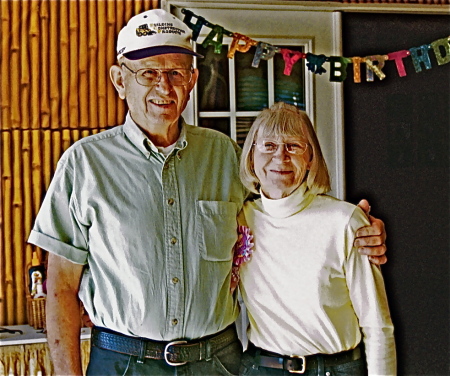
[[216, 229]]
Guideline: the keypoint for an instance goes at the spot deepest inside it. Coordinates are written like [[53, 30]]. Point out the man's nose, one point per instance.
[[164, 84]]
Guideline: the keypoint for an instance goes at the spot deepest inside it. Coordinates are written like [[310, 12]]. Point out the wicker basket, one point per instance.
[[36, 312]]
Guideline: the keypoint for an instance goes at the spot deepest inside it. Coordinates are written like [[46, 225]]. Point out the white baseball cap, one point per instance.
[[154, 32]]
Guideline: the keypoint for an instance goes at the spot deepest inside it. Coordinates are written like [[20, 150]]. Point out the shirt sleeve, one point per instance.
[[57, 228], [368, 296]]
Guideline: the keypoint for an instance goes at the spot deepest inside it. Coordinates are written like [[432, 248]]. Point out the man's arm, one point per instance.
[[370, 240], [63, 315]]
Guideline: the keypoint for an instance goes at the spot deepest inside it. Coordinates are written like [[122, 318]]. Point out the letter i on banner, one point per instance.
[[438, 51], [338, 68], [357, 69], [194, 27]]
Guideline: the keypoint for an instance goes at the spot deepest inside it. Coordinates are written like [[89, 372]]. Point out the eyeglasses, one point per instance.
[[296, 147], [151, 76]]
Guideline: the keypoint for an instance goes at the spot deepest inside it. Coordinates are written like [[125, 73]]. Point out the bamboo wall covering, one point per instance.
[[55, 89]]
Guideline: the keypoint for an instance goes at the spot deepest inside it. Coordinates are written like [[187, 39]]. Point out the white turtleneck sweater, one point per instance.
[[306, 288]]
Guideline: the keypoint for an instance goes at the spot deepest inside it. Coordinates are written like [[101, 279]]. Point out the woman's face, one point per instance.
[[279, 171]]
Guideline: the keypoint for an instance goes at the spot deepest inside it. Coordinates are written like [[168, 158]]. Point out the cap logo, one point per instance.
[[158, 28], [143, 31]]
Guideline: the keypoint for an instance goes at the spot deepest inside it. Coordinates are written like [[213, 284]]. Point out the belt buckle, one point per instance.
[[166, 353], [303, 364]]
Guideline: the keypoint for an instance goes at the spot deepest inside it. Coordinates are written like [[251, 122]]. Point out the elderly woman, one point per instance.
[[316, 306]]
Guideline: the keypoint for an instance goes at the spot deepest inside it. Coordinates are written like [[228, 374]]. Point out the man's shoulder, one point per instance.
[[196, 131], [211, 137], [104, 136], [92, 144]]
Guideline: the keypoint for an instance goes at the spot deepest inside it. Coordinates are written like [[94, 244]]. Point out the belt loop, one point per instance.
[[208, 351], [142, 349], [201, 350], [320, 366]]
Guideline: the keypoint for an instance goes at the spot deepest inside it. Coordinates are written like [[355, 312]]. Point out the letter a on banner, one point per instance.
[[216, 33]]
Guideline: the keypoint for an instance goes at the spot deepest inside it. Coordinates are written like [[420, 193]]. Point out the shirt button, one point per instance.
[[173, 240], [175, 280], [166, 166], [174, 322], [170, 201]]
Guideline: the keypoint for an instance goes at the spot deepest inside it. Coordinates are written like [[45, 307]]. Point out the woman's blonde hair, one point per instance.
[[283, 119]]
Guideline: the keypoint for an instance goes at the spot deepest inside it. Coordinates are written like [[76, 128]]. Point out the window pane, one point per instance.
[[251, 83], [290, 89], [219, 124], [243, 125], [213, 80]]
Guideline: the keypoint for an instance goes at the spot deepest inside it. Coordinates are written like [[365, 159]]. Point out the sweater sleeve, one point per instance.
[[368, 296]]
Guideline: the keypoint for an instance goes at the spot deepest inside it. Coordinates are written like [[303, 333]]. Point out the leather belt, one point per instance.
[[175, 353], [300, 364]]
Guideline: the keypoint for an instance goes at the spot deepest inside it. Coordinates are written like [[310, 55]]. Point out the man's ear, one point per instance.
[[193, 80], [116, 75]]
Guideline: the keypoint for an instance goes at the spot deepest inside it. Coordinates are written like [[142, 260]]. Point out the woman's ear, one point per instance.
[[310, 161], [116, 75]]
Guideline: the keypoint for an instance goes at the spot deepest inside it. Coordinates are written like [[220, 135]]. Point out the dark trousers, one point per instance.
[[225, 362]]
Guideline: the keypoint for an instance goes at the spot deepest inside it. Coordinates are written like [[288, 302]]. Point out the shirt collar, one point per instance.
[[287, 206], [143, 143]]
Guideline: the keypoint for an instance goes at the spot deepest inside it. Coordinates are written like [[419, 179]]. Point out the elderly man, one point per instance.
[[140, 223]]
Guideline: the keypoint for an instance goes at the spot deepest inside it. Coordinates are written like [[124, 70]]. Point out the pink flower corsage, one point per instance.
[[243, 250]]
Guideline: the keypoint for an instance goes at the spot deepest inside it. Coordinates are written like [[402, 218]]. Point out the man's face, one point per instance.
[[157, 107]]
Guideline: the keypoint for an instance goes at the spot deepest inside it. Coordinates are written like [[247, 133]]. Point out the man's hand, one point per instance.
[[370, 240]]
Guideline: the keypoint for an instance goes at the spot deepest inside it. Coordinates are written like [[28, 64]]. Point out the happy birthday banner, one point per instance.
[[338, 64]]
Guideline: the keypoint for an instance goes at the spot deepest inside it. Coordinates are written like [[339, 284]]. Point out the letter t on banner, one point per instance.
[[398, 57]]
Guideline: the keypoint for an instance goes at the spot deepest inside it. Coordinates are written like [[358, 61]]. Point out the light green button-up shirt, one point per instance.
[[156, 234]]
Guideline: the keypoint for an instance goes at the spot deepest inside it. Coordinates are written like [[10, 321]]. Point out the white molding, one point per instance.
[[323, 6], [339, 113]]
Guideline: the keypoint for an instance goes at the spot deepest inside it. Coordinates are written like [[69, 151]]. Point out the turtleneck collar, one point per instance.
[[287, 206]]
